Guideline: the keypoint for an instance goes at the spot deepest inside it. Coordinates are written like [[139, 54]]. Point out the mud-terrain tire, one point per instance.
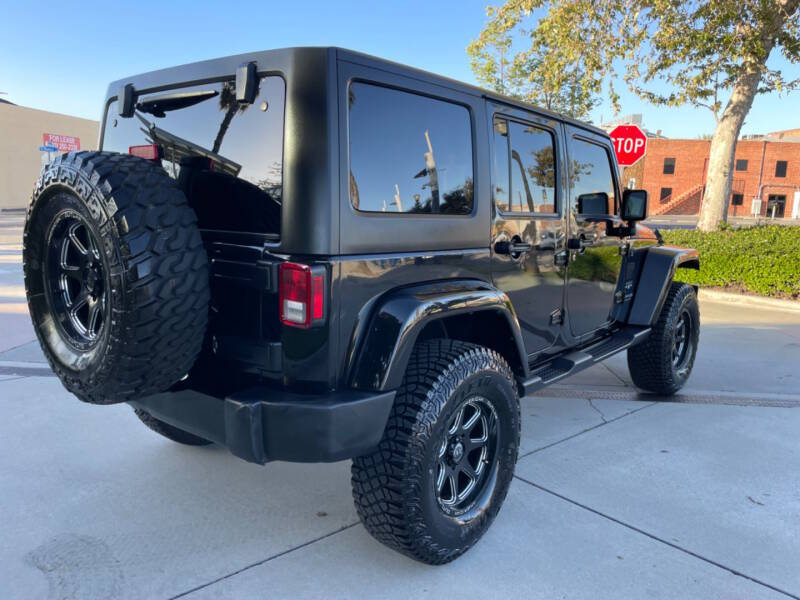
[[663, 362], [396, 488], [116, 276], [168, 431]]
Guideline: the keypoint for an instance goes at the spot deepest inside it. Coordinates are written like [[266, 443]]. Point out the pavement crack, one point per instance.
[[261, 562], [17, 347], [44, 371], [657, 539], [597, 410], [587, 430]]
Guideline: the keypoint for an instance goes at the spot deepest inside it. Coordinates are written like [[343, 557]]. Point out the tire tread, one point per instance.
[[650, 363], [160, 302], [385, 483]]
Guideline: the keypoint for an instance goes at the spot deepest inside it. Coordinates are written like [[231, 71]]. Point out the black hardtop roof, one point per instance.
[[178, 73]]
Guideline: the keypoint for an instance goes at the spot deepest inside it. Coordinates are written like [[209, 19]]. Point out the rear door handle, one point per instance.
[[505, 247], [519, 247], [580, 243]]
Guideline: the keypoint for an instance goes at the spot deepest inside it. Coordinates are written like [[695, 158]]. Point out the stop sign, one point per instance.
[[630, 144]]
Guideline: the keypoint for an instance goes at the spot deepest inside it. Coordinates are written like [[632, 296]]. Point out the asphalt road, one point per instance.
[[616, 495]]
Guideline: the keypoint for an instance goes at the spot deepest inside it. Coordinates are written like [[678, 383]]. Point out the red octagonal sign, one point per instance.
[[630, 144]]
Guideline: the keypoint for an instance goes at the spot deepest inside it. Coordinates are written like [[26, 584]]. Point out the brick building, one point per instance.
[[766, 177]]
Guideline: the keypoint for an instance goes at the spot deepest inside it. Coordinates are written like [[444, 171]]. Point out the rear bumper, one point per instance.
[[262, 425]]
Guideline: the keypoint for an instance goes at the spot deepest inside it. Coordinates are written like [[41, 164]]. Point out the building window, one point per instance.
[[408, 153], [780, 168], [669, 166], [737, 199], [665, 194], [741, 164], [776, 206]]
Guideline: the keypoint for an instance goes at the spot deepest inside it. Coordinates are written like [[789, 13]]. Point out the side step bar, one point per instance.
[[576, 361]]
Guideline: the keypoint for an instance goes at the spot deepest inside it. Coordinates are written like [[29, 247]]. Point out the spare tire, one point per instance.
[[116, 276]]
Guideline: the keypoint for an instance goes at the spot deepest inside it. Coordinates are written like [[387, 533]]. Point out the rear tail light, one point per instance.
[[301, 293], [148, 152]]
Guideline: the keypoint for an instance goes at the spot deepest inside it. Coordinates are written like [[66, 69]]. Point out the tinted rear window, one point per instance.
[[224, 155], [408, 153]]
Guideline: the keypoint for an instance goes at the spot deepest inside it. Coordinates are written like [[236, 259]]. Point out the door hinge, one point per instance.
[[557, 317]]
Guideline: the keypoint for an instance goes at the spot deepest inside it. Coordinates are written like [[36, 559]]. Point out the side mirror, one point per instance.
[[595, 203], [634, 205]]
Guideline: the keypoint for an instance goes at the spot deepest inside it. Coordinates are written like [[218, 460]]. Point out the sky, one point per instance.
[[60, 56]]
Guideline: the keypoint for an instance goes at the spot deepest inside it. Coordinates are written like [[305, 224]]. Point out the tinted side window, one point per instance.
[[591, 181], [530, 158], [533, 185], [502, 185], [408, 153]]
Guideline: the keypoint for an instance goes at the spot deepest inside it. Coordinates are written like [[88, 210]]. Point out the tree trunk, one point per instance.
[[223, 127], [723, 143], [714, 208]]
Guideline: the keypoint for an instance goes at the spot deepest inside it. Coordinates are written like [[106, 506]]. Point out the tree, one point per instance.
[[529, 76], [701, 51], [488, 57]]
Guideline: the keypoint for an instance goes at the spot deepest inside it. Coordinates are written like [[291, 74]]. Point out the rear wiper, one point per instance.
[[159, 105]]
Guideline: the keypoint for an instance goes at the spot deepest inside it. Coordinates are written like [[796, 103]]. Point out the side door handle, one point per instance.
[[579, 243], [514, 247], [519, 247]]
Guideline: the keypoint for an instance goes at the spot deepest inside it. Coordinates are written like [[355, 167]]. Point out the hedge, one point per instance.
[[762, 260]]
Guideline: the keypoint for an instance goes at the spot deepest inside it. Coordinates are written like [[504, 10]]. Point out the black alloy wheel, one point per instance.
[[467, 455], [75, 280], [682, 346]]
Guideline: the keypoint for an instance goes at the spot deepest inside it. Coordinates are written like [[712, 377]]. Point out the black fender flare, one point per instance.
[[656, 276], [380, 350]]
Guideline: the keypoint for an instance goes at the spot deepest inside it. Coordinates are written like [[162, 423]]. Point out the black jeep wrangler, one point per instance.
[[315, 255]]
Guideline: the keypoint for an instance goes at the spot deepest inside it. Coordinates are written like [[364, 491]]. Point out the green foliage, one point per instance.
[[531, 75], [698, 48], [762, 260]]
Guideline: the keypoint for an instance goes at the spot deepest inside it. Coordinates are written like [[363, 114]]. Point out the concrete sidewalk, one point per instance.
[[616, 496], [613, 499]]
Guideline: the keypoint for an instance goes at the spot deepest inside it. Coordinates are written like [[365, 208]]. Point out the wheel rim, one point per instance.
[[467, 453], [75, 280], [682, 343]]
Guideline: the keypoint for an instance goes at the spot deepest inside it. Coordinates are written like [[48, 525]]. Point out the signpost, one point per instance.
[[630, 144]]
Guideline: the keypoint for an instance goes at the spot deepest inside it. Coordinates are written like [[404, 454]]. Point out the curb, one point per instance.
[[732, 298]]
